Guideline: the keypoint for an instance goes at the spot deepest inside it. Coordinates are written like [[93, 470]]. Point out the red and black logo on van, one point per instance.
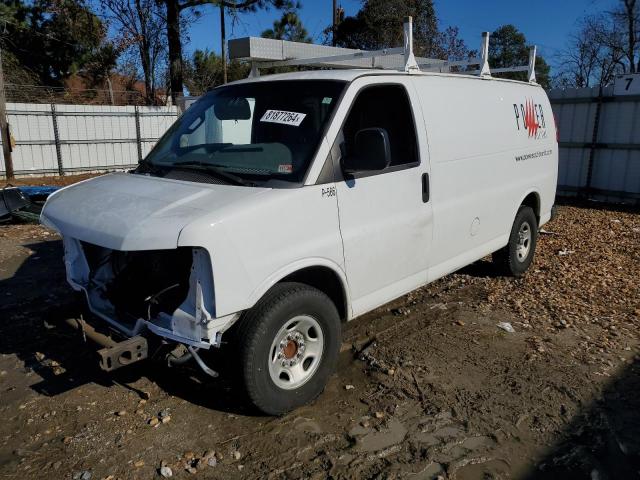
[[530, 119]]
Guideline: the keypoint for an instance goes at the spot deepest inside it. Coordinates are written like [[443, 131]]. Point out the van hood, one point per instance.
[[126, 211]]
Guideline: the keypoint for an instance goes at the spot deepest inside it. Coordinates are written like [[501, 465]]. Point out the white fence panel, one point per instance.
[[88, 137], [599, 143], [154, 121], [32, 128]]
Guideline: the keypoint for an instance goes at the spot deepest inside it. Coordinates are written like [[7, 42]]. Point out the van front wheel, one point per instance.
[[516, 257], [289, 344]]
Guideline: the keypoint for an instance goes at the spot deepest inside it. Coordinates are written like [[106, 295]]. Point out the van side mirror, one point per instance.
[[371, 152]]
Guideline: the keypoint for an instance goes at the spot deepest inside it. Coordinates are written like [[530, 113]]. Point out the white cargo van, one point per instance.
[[278, 207]]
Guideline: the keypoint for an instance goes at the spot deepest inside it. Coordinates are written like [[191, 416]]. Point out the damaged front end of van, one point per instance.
[[122, 251]]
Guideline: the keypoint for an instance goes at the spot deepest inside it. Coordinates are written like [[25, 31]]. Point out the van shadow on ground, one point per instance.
[[603, 441], [37, 299]]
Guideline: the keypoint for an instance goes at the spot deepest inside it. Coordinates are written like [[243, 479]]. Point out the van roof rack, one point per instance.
[[268, 53]]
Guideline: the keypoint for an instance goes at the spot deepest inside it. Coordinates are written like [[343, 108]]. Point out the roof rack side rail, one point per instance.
[[268, 53], [484, 69]]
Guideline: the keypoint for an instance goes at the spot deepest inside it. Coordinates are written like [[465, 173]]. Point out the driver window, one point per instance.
[[387, 107]]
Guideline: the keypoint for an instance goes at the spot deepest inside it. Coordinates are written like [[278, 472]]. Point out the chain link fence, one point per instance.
[[61, 95]]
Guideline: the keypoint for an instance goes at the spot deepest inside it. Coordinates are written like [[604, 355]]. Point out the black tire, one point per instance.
[[510, 259], [257, 330]]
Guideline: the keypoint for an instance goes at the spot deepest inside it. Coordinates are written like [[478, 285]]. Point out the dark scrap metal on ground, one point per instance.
[[23, 204]]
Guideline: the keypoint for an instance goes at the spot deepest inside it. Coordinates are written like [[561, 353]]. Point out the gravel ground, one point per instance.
[[428, 386]]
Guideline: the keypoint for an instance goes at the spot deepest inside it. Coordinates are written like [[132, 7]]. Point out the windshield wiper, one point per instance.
[[214, 169]]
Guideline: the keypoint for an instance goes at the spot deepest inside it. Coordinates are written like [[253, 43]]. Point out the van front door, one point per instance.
[[385, 214]]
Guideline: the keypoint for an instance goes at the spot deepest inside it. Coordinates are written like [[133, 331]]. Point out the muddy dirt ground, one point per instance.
[[427, 387], [52, 180]]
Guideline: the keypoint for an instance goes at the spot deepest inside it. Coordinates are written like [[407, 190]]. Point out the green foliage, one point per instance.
[[54, 39], [288, 27], [378, 25], [508, 48], [204, 71], [14, 72]]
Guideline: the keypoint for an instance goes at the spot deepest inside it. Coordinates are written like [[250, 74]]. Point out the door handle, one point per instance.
[[425, 187]]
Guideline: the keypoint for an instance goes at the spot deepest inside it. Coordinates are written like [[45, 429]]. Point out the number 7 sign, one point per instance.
[[627, 84]]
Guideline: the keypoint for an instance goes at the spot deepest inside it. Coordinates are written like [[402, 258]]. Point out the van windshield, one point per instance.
[[252, 132]]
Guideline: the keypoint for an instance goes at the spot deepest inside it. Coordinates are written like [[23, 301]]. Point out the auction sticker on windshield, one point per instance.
[[285, 118]]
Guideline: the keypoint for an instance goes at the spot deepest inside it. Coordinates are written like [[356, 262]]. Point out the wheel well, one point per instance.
[[532, 200], [325, 280]]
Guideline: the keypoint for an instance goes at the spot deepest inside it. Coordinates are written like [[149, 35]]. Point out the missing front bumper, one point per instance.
[[169, 293]]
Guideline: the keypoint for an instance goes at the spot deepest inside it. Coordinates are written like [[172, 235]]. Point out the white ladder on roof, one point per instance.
[[268, 53]]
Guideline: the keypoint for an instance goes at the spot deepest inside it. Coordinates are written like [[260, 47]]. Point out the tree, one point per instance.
[[452, 47], [508, 48], [378, 25], [53, 39], [627, 17], [605, 45], [141, 26], [594, 54], [174, 8], [204, 71], [15, 77], [288, 27]]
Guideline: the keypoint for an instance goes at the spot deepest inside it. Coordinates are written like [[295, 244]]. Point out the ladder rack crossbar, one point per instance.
[[524, 68]]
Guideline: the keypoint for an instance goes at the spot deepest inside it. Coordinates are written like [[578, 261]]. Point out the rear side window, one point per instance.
[[387, 107]]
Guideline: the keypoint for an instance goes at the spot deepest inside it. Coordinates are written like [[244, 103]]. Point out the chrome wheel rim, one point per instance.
[[524, 242], [296, 352]]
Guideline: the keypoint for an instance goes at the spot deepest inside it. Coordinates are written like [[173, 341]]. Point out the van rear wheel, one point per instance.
[[289, 344], [516, 257]]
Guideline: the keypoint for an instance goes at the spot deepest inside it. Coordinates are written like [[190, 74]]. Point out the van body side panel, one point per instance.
[[549, 182], [491, 143], [253, 244], [386, 226]]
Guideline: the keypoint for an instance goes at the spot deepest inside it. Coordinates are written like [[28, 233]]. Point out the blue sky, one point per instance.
[[544, 22]]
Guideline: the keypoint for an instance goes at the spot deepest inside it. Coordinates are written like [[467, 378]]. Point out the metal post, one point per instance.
[[532, 64], [224, 43], [255, 70], [138, 136], [4, 127], [485, 71], [594, 145], [56, 139], [410, 63], [110, 89], [334, 23]]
